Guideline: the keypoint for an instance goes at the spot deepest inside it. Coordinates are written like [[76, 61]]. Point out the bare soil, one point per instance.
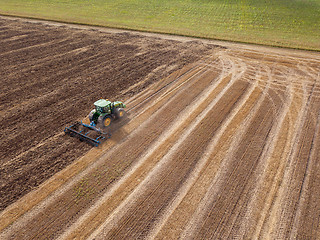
[[51, 75], [220, 142]]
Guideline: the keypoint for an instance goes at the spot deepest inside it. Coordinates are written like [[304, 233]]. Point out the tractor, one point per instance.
[[100, 119], [105, 112]]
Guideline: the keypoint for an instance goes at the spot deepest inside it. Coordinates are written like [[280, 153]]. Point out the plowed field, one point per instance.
[[51, 76], [224, 147]]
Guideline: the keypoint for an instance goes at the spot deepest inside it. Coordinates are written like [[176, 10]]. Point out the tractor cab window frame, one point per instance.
[[103, 109], [100, 109]]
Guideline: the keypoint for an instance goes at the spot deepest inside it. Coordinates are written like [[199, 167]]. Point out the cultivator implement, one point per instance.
[[87, 132]]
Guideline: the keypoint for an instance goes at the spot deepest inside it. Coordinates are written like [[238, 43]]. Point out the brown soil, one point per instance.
[[223, 148], [50, 78]]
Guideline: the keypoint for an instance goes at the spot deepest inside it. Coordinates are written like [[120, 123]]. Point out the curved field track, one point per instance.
[[226, 147]]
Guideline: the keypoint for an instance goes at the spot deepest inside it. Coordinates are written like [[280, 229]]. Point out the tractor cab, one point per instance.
[[102, 106]]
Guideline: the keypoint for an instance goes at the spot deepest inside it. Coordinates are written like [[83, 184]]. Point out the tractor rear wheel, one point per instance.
[[119, 112]]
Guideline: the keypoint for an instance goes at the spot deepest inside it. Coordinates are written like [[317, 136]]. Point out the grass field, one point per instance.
[[289, 23]]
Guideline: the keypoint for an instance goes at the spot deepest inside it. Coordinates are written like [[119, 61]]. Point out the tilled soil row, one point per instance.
[[41, 95], [225, 208], [308, 213], [234, 221], [270, 213], [41, 62], [299, 181]]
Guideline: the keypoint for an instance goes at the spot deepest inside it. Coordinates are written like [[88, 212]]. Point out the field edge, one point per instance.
[[141, 30]]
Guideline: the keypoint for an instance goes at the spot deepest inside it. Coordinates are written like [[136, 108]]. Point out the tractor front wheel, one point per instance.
[[91, 115]]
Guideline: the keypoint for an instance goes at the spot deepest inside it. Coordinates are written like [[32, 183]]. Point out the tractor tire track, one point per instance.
[[268, 187]]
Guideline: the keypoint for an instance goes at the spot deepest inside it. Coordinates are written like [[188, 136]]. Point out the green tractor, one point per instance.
[[105, 112], [101, 117]]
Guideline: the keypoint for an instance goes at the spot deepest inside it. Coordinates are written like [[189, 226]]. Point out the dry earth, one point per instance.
[[50, 77], [225, 147]]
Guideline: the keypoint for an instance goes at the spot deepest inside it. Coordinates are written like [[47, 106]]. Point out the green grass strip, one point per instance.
[[285, 23]]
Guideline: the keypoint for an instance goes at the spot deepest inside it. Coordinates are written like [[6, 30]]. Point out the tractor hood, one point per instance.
[[119, 104]]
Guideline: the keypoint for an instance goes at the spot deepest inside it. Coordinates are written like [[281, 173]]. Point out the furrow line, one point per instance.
[[270, 223], [191, 72], [216, 172], [52, 60], [240, 225], [173, 79], [180, 166], [275, 169], [62, 74], [57, 47], [284, 226], [28, 47]]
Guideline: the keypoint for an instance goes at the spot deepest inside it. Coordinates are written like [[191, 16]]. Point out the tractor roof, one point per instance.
[[102, 103]]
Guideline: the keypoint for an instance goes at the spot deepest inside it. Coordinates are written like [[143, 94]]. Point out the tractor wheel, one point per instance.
[[119, 113], [105, 121], [91, 115]]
